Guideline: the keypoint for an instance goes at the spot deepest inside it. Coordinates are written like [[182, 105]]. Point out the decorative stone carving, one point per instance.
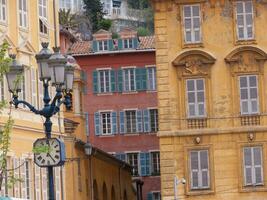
[[246, 59], [194, 62]]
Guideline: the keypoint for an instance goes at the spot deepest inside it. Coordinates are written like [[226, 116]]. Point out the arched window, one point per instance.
[[105, 193], [95, 190], [113, 195]]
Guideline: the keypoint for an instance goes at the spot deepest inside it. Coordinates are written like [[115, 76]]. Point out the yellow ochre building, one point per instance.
[[212, 98], [24, 24]]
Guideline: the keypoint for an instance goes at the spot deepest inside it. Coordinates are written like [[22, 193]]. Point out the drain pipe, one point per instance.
[[55, 22]]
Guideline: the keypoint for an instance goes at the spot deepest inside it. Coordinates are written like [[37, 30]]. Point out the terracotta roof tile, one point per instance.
[[85, 47]]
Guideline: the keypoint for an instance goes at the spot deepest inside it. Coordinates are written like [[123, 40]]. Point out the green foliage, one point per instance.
[[41, 149], [105, 24], [115, 35], [94, 12], [67, 20], [138, 4], [142, 31]]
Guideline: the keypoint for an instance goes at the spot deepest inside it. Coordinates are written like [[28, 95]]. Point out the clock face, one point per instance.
[[49, 152]]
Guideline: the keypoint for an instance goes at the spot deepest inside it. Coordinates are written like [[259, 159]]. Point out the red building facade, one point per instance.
[[121, 101]]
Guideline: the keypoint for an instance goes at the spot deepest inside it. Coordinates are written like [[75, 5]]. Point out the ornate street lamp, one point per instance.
[[51, 67]]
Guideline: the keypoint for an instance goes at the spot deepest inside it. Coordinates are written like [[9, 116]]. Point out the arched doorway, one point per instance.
[[95, 190], [113, 195], [105, 192]]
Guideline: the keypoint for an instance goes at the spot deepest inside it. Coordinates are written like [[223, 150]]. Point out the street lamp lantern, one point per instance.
[[42, 60], [69, 73], [88, 149], [57, 64], [13, 79]]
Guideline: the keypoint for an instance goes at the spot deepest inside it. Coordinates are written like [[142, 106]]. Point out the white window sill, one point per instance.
[[104, 93], [151, 91], [130, 92], [131, 134], [103, 136]]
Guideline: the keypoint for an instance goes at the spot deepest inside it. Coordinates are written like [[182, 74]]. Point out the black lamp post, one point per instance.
[[52, 67]]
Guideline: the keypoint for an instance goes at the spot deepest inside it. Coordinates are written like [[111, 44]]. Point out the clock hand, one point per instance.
[[48, 154]]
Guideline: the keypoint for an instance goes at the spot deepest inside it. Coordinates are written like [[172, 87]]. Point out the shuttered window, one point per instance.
[[37, 182], [199, 169], [128, 43], [129, 80], [43, 16], [16, 164], [195, 98], [3, 10], [153, 120], [34, 87], [23, 13], [44, 183], [131, 121], [249, 102], [105, 123], [155, 163], [244, 20], [192, 23], [253, 169]]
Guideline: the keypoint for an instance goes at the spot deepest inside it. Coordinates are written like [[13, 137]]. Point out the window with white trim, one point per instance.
[[129, 83], [3, 10], [130, 121], [133, 160], [244, 20], [105, 123], [155, 163], [199, 169], [195, 97], [43, 16], [151, 78], [23, 13], [102, 45], [104, 81], [253, 166], [154, 120], [27, 181], [156, 196], [192, 23], [249, 100], [107, 6], [128, 43]]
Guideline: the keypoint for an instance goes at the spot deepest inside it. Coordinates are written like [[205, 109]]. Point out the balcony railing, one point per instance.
[[250, 120], [197, 123]]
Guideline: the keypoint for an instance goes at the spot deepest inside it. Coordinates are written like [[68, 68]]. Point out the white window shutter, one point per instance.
[[257, 155], [57, 182], [16, 175], [34, 87], [204, 166], [44, 183], [248, 166], [194, 169], [40, 93], [23, 177], [37, 181]]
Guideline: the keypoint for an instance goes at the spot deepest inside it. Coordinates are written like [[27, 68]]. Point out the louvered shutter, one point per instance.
[[148, 164], [146, 118], [95, 48], [24, 179], [135, 43], [257, 155], [122, 122], [57, 182], [114, 123], [120, 80], [138, 79], [143, 163], [253, 94], [204, 167], [37, 182], [248, 166], [16, 175], [144, 79], [95, 82], [34, 88], [150, 196], [41, 94], [110, 45], [97, 123], [44, 183], [113, 80], [120, 47], [139, 120], [121, 156], [194, 169]]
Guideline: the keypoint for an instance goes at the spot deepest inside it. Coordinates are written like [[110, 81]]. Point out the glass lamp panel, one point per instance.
[[69, 81], [13, 84], [44, 70], [58, 75]]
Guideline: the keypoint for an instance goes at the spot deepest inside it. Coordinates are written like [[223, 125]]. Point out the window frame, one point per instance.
[[24, 14], [43, 19], [138, 162], [129, 79], [105, 81], [126, 43], [153, 171], [3, 18], [196, 116], [249, 100], [133, 125], [244, 14], [101, 123], [156, 120], [192, 29], [103, 44], [153, 77]]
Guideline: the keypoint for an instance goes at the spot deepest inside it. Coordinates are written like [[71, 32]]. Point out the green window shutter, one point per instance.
[[114, 122], [141, 79], [95, 82], [139, 120], [143, 163], [95, 49], [148, 164], [120, 47], [97, 123], [135, 43], [146, 117], [110, 45], [84, 78], [113, 81], [120, 80], [122, 124]]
